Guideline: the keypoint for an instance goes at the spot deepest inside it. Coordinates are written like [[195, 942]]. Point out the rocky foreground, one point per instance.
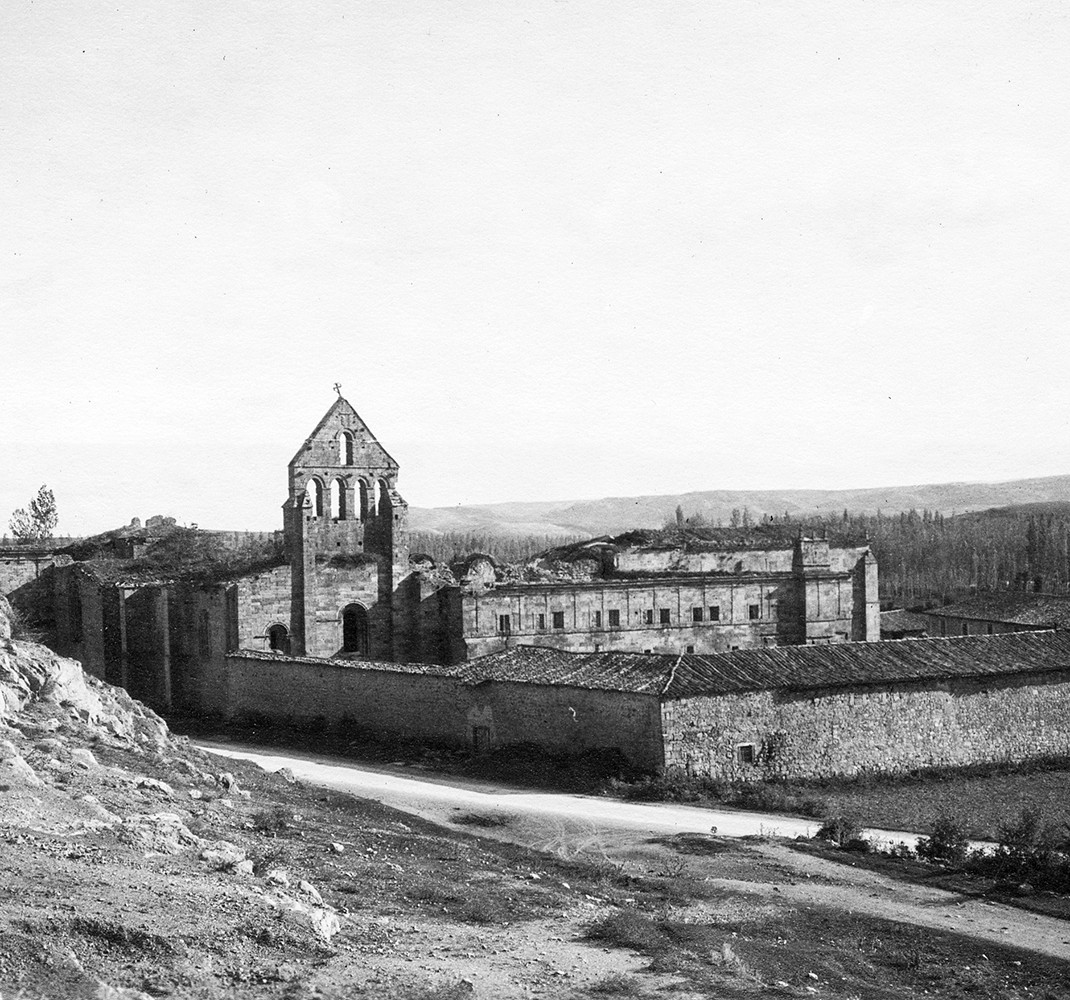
[[135, 866]]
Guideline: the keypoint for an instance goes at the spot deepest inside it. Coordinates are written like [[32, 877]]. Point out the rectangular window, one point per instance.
[[696, 614], [664, 617], [559, 619], [614, 618], [598, 619], [715, 613], [648, 617], [745, 753], [505, 623], [690, 649], [965, 629], [755, 612], [540, 622]]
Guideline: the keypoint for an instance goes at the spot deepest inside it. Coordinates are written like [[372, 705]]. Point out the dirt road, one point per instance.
[[438, 798], [642, 835]]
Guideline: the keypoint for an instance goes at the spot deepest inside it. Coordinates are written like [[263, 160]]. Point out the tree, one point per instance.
[[37, 523]]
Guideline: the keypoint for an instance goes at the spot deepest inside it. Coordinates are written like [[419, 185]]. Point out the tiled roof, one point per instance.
[[903, 621], [1014, 607], [866, 663], [781, 667], [796, 668], [640, 673]]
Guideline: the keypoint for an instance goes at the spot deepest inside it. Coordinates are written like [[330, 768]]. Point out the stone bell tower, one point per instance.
[[345, 536]]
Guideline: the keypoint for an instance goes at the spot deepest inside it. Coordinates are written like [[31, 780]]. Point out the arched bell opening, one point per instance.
[[314, 490]]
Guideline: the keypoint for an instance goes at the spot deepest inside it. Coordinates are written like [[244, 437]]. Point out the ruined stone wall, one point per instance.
[[894, 727], [678, 560], [263, 600], [20, 566], [580, 605], [441, 708], [147, 638], [78, 606], [27, 580]]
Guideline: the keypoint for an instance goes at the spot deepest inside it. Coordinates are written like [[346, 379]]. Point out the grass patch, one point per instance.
[[488, 821], [272, 820], [760, 796], [616, 985], [628, 929]]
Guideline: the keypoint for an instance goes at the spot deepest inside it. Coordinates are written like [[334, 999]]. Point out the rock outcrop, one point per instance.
[[31, 673]]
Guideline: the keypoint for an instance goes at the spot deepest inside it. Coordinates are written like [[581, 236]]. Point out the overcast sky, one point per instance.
[[550, 249]]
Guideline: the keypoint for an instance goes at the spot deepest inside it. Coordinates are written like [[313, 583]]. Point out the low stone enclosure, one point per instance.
[[798, 711]]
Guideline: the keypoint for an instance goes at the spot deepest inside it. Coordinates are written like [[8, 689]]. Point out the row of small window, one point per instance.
[[505, 622]]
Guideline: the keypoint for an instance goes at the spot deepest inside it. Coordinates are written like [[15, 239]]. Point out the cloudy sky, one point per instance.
[[550, 249]]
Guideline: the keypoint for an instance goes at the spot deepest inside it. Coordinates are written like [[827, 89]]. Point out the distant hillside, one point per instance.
[[612, 515]]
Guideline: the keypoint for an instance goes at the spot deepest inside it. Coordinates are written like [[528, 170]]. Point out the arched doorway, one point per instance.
[[355, 629], [278, 639]]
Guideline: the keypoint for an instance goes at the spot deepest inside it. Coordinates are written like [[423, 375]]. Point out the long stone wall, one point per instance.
[[439, 706], [894, 727]]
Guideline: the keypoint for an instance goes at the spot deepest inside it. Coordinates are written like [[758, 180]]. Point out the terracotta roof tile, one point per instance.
[[1013, 607], [900, 620], [797, 668]]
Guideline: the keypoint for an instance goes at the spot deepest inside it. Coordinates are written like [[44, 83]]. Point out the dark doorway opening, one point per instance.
[[279, 639], [355, 630]]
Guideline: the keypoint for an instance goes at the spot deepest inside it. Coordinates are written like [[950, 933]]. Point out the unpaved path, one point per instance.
[[438, 797], [640, 834]]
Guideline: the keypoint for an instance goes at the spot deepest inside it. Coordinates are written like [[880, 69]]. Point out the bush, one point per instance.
[[1029, 853], [841, 830], [947, 841], [670, 786], [1029, 842], [902, 850], [272, 820], [628, 929]]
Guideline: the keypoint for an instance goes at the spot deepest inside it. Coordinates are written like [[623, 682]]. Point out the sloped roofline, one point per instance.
[[337, 405]]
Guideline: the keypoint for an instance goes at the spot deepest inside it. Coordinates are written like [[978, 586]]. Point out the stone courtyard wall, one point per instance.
[[894, 727], [438, 707]]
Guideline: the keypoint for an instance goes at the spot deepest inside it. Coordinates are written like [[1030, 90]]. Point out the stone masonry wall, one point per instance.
[[890, 728], [263, 600], [27, 579], [777, 603], [441, 708]]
